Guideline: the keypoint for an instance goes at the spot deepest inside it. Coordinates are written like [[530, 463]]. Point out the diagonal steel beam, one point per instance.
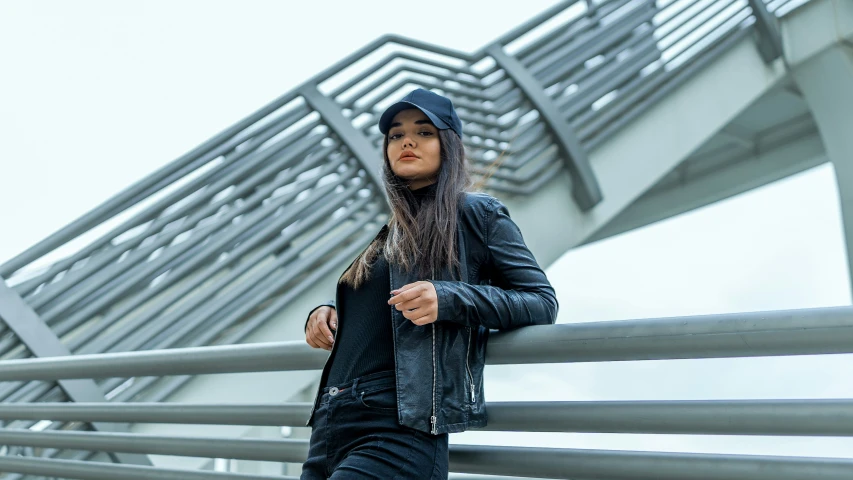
[[585, 188], [41, 342], [769, 40], [368, 156]]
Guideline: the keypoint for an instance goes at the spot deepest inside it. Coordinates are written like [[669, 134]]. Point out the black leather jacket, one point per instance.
[[439, 367]]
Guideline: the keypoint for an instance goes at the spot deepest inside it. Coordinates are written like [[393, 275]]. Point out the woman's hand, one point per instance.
[[318, 332], [418, 301]]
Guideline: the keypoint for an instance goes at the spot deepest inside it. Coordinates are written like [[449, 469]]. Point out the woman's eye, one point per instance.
[[425, 133]]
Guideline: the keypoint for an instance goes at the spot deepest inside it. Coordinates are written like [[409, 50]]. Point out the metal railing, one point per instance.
[[795, 332], [217, 243]]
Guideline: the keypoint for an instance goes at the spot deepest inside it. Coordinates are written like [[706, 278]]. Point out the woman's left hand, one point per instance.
[[418, 301]]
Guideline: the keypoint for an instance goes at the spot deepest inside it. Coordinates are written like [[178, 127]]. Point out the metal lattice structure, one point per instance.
[[215, 244]]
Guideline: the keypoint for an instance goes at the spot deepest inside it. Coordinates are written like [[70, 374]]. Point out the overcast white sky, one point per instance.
[[96, 94]]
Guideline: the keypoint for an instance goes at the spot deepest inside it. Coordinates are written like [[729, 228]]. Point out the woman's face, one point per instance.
[[414, 149]]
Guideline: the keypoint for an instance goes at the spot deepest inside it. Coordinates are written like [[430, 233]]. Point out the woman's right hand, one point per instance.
[[318, 332]]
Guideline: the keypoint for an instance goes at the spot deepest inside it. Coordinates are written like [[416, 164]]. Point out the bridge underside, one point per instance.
[[773, 138]]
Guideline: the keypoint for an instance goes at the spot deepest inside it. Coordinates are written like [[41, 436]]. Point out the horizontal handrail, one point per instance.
[[800, 417], [258, 357], [195, 446], [786, 332], [268, 414], [82, 470], [797, 417], [755, 334], [499, 460], [628, 465]]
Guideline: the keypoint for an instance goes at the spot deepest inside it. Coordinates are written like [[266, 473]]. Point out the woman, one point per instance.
[[407, 370]]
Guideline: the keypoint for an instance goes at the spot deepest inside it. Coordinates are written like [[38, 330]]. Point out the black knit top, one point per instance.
[[365, 342]]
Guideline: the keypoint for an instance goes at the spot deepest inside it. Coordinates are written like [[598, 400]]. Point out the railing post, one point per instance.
[[41, 342], [769, 40], [585, 189]]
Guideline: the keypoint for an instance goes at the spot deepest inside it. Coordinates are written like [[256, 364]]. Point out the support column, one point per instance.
[[819, 51]]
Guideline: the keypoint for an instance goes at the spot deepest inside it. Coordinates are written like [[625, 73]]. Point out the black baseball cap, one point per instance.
[[437, 108]]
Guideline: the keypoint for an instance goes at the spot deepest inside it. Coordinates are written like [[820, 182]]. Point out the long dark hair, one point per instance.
[[422, 238]]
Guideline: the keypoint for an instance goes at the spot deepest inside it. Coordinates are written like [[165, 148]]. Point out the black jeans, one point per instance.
[[356, 435]]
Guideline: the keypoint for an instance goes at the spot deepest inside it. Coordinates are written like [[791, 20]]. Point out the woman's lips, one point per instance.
[[408, 158]]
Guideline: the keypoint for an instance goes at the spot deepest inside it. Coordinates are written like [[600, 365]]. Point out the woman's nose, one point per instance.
[[408, 142]]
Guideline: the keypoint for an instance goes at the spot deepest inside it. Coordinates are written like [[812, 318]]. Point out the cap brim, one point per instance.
[[388, 115]]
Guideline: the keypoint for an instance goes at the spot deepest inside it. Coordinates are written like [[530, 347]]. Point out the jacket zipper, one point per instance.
[[394, 346], [468, 368], [433, 420]]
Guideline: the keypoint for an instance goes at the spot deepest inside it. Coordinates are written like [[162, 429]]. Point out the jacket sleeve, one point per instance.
[[520, 293], [330, 303]]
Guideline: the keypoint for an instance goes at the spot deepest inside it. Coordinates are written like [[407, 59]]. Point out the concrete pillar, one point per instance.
[[818, 43]]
